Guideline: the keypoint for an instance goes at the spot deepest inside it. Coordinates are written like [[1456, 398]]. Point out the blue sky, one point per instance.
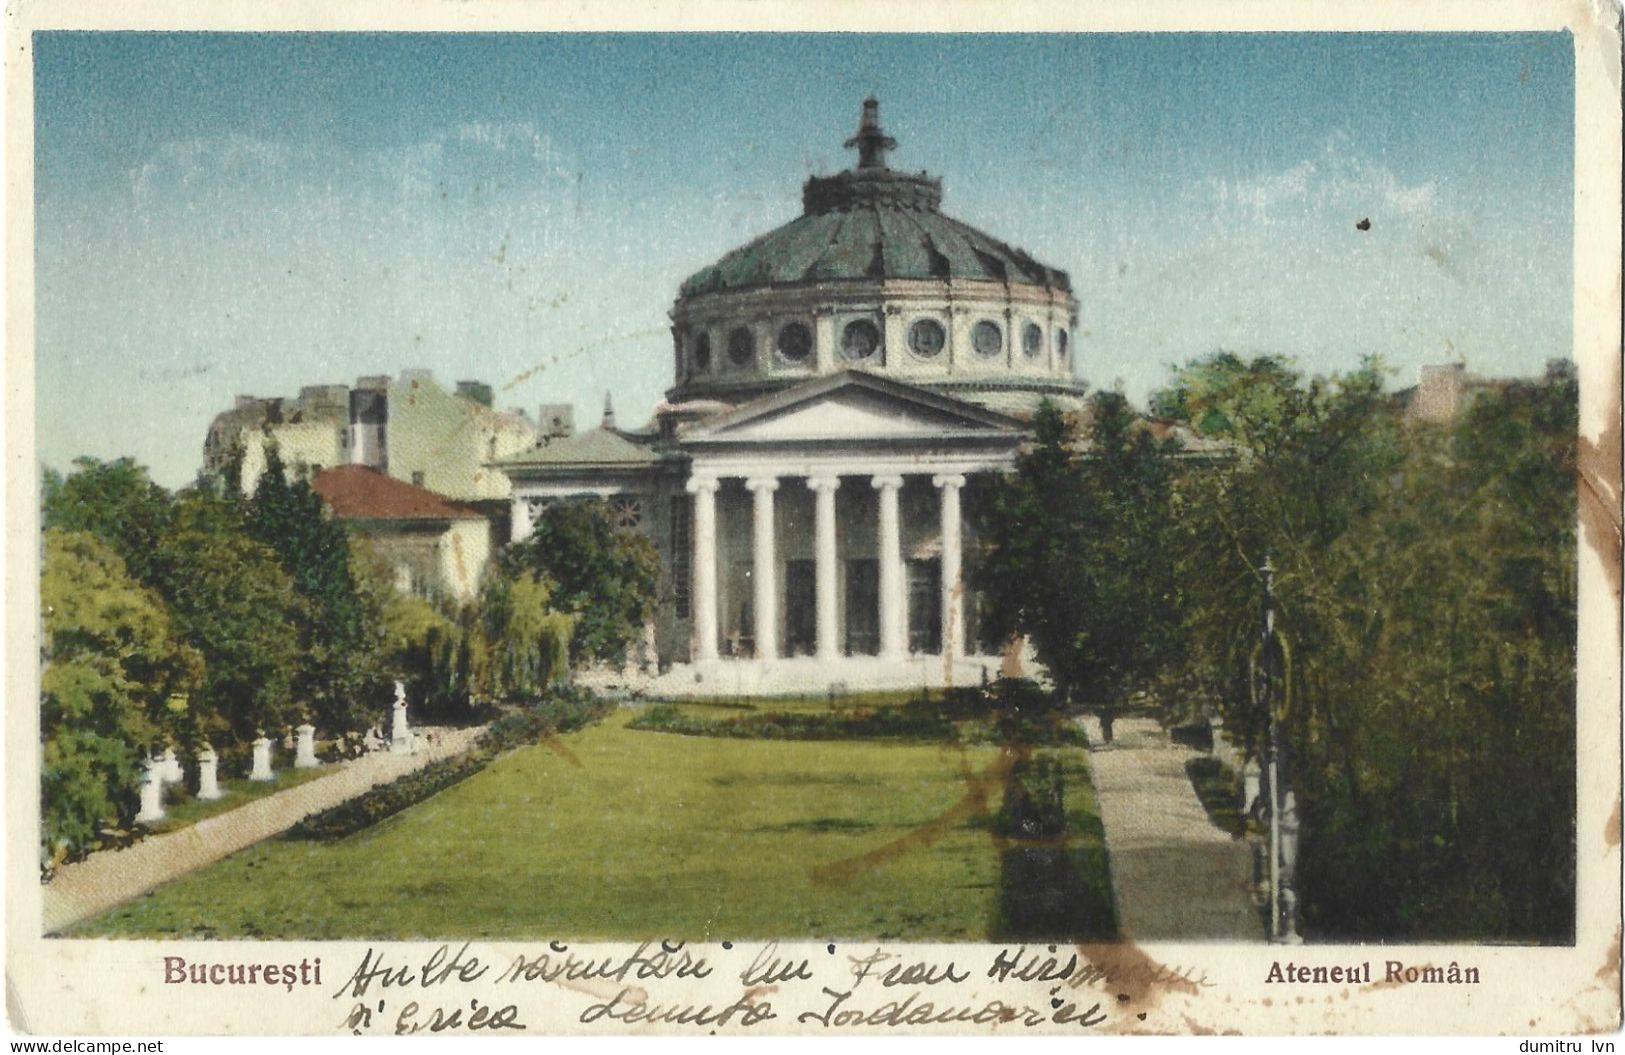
[[223, 214]]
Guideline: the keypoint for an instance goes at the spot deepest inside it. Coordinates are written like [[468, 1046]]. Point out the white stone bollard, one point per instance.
[[152, 792], [305, 751], [400, 734], [262, 760], [172, 772], [208, 775]]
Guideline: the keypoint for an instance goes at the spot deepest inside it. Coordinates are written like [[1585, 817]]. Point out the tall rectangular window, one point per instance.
[[682, 548]]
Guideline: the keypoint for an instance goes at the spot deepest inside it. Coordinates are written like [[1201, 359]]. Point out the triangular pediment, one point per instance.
[[853, 406]]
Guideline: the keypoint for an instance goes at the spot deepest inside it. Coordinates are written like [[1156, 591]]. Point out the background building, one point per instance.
[[436, 546], [408, 428]]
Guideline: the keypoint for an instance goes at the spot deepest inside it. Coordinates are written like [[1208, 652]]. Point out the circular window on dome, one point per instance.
[[860, 339], [702, 351], [741, 346], [987, 338], [1032, 340], [1061, 342], [927, 337], [795, 342]]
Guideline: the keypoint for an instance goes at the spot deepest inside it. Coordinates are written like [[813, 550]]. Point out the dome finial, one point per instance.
[[871, 142]]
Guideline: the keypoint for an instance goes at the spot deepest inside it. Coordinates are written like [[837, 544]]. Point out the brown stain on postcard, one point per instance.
[[1598, 466]]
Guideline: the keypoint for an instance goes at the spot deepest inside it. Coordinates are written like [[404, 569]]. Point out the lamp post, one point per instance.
[[1271, 748], [1283, 928]]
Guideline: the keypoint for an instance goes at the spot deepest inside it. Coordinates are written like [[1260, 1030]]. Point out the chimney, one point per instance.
[[557, 420], [321, 396], [609, 413], [475, 392], [369, 420]]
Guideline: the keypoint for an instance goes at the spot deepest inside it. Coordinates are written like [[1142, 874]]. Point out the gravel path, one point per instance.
[[87, 888], [1176, 877]]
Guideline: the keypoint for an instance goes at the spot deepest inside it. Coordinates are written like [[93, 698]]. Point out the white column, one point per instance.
[[823, 488], [703, 596], [889, 541], [764, 567], [520, 524], [953, 587], [651, 651]]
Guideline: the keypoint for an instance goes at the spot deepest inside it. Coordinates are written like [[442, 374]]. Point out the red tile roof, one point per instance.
[[358, 492]]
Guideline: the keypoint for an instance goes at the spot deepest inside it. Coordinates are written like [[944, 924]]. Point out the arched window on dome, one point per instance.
[[1032, 340], [1062, 345], [702, 351], [741, 346]]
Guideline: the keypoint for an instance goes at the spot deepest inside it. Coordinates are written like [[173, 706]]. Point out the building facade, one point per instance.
[[409, 428], [844, 387]]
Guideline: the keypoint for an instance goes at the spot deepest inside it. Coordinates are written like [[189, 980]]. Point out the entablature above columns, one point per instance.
[[821, 470]]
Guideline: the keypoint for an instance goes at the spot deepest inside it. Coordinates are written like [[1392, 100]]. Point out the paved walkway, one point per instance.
[[1176, 877], [87, 888]]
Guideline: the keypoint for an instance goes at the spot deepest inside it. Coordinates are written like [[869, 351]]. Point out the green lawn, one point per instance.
[[617, 833]]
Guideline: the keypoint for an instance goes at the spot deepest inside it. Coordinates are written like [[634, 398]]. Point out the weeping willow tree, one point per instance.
[[528, 641]]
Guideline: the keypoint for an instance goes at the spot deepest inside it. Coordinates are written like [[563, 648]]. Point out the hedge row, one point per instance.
[[1010, 710], [565, 710], [910, 721]]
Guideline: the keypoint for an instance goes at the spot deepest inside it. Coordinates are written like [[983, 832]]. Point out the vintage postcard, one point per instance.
[[752, 519]]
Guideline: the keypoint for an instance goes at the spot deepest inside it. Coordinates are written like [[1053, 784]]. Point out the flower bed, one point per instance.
[[562, 711]]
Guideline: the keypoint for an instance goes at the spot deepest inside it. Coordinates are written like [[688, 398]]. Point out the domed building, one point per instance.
[[845, 385], [873, 276]]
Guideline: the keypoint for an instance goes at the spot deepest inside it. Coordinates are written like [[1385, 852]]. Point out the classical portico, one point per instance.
[[817, 476]]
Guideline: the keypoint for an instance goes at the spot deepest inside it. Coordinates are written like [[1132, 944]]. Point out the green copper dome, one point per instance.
[[870, 223]]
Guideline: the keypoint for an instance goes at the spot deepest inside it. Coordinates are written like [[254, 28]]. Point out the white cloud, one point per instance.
[[1337, 182]]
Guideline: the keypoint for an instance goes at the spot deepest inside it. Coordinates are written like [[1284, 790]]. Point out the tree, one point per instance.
[[1304, 459], [115, 501], [341, 676], [1425, 589], [112, 664], [529, 640], [602, 574], [441, 656], [1077, 552], [232, 601]]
